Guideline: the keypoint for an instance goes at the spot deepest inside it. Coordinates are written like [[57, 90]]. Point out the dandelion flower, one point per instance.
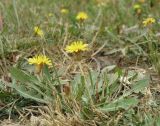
[[136, 6], [64, 11], [82, 16], [39, 61], [38, 31], [77, 46], [50, 14], [148, 21]]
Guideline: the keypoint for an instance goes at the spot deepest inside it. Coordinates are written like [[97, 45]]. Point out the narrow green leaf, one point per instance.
[[81, 88], [140, 85], [158, 121], [47, 73], [22, 76], [27, 94], [121, 104]]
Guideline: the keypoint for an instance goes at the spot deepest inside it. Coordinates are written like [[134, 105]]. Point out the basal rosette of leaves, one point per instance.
[[104, 91]]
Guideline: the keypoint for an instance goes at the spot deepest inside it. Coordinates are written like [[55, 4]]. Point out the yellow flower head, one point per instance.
[[40, 60], [38, 31], [64, 11], [136, 6], [148, 21], [82, 16], [50, 14], [77, 46]]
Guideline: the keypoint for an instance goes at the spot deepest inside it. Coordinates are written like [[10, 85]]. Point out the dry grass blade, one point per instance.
[[1, 22]]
